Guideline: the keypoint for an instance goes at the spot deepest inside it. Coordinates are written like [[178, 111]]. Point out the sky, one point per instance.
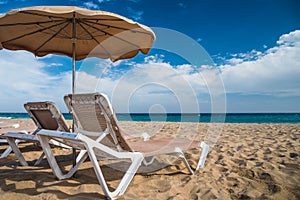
[[248, 59]]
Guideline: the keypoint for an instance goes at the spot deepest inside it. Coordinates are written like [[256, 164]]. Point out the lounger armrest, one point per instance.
[[57, 134], [205, 149], [20, 136]]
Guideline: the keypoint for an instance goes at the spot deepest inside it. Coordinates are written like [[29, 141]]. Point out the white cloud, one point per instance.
[[55, 64], [135, 1], [3, 2], [252, 55], [142, 85], [103, 1], [135, 14], [90, 5], [275, 72], [49, 56], [155, 83], [292, 38], [154, 59], [182, 5], [234, 61], [199, 39], [23, 78]]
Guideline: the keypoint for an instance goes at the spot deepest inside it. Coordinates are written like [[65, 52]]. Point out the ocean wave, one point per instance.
[[5, 117]]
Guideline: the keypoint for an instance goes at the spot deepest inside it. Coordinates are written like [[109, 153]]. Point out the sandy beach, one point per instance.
[[248, 161]]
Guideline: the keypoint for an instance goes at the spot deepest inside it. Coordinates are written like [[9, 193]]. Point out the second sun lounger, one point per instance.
[[45, 115]]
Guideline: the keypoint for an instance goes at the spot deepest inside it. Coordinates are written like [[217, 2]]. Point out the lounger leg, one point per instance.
[[146, 163], [136, 159], [40, 159], [80, 155], [181, 155], [205, 149], [44, 140], [16, 150], [83, 152], [8, 150]]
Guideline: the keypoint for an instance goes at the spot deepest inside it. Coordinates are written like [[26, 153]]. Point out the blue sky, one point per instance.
[[255, 47]]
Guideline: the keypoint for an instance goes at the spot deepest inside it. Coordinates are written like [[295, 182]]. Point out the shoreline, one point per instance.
[[276, 118], [123, 121], [248, 161]]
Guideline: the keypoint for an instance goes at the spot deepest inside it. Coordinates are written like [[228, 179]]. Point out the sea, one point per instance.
[[293, 118]]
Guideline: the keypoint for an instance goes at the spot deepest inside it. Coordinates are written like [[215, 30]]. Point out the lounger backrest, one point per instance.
[[93, 113], [87, 115], [46, 116], [111, 118]]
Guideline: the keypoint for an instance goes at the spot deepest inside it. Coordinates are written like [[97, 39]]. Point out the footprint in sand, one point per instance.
[[267, 179], [248, 173], [293, 155]]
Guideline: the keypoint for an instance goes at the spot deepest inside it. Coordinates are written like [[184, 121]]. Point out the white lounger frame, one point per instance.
[[89, 144]]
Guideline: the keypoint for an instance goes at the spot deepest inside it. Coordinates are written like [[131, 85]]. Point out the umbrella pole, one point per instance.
[[73, 75], [73, 67], [73, 53], [73, 92]]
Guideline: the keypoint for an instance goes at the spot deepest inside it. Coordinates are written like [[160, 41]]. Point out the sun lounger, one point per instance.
[[45, 116], [98, 136]]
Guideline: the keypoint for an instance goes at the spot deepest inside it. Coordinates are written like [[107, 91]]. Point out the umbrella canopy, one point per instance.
[[75, 32]]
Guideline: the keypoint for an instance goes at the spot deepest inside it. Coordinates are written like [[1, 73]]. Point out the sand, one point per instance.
[[248, 161]]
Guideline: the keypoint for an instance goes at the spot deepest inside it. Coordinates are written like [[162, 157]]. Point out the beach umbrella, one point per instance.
[[74, 32]]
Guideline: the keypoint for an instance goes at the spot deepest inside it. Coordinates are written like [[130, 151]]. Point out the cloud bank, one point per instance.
[[275, 72], [272, 74]]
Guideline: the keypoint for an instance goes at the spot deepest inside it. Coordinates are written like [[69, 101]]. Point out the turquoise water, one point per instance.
[[203, 117]]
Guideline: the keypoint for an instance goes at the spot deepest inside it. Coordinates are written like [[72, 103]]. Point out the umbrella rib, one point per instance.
[[52, 36], [111, 35], [116, 27], [31, 23], [33, 32], [121, 28], [88, 32], [102, 19], [43, 15]]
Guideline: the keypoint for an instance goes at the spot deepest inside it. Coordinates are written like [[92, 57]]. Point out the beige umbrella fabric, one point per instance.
[[75, 32]]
